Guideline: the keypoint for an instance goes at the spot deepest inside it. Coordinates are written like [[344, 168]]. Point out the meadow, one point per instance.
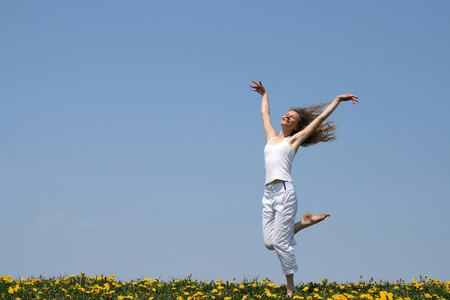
[[101, 287]]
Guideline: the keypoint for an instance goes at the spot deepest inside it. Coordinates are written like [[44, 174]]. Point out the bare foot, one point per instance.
[[308, 220], [291, 292]]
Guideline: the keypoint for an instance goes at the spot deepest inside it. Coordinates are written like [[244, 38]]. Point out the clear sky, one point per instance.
[[131, 142]]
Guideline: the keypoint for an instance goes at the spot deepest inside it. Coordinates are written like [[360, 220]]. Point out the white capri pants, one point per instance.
[[278, 219]]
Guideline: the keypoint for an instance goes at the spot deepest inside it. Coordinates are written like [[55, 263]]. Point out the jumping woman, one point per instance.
[[299, 127]]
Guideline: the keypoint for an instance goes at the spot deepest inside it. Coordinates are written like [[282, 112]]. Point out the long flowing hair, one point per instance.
[[325, 132]]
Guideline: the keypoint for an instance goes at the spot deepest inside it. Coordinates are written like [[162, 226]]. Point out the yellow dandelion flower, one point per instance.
[[386, 295], [339, 297]]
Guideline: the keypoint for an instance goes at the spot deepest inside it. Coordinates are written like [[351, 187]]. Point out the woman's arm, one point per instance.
[[265, 110], [297, 139]]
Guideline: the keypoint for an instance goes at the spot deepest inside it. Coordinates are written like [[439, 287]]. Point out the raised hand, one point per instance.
[[348, 97], [258, 87]]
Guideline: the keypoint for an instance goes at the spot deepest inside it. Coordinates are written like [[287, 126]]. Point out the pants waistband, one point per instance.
[[280, 186]]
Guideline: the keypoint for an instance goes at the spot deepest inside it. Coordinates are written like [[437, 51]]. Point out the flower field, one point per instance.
[[101, 287]]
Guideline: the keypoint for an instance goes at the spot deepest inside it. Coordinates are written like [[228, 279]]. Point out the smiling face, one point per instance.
[[290, 120]]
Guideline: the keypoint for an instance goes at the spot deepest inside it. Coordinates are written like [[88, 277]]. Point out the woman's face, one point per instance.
[[290, 120]]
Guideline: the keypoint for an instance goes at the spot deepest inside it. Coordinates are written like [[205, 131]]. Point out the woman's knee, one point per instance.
[[269, 246], [279, 245]]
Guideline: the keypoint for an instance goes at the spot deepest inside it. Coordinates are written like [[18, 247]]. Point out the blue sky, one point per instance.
[[131, 143]]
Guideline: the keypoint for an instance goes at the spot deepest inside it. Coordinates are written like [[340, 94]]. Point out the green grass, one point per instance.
[[101, 287]]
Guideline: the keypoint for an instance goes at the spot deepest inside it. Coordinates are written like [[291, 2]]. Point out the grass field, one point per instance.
[[101, 287]]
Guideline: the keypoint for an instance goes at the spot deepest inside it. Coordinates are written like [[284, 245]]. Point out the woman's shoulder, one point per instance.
[[276, 140], [271, 139]]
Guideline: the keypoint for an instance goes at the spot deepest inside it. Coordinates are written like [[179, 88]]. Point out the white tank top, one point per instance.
[[278, 161]]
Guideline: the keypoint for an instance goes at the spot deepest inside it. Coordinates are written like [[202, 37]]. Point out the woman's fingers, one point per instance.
[[258, 87], [349, 97]]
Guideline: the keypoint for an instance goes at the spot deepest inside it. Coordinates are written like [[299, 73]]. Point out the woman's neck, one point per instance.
[[284, 134]]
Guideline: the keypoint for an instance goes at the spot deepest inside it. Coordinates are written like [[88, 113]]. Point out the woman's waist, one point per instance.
[[280, 185], [276, 181]]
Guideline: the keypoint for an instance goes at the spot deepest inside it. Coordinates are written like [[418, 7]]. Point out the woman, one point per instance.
[[299, 127]]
